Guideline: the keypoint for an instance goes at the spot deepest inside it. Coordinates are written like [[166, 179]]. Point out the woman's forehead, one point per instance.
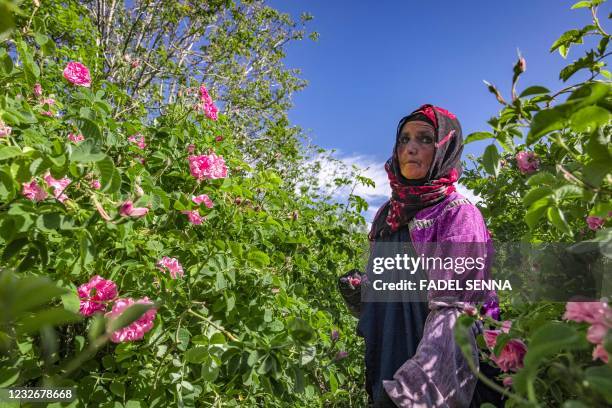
[[416, 125]]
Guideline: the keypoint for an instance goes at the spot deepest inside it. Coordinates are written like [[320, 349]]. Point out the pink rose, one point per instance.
[[511, 357], [75, 138], [37, 89], [47, 113], [137, 329], [218, 138], [32, 191], [207, 166], [140, 141], [206, 104], [194, 217], [5, 130], [590, 312], [596, 333], [127, 209], [202, 198], [594, 223], [77, 74], [527, 162], [599, 352], [103, 291], [95, 184], [58, 186], [172, 265], [507, 381]]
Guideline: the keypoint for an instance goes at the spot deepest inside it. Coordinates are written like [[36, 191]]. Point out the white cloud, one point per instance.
[[374, 170]]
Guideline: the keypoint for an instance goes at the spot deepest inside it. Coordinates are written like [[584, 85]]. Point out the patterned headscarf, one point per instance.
[[410, 196]]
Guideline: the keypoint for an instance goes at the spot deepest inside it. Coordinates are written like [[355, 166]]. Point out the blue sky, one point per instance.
[[377, 61]]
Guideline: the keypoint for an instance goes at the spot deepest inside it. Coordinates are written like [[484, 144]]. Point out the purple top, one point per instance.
[[437, 374]]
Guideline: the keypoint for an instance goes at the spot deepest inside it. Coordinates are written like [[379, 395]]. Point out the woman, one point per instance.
[[411, 357]]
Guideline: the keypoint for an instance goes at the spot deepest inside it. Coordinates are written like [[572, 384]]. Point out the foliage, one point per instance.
[[565, 198], [249, 323]]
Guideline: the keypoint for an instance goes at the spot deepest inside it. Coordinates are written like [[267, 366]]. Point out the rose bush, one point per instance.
[[173, 247], [550, 182]]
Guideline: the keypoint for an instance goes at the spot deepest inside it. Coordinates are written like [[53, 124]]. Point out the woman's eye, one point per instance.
[[403, 140], [426, 139]]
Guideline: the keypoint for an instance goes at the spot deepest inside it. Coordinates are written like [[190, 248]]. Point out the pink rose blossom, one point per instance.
[[127, 209], [590, 312], [32, 191], [77, 74], [58, 186], [527, 162], [594, 223], [75, 138], [218, 138], [140, 142], [207, 166], [511, 357], [596, 333], [507, 382], [207, 105], [599, 352], [172, 264], [194, 217], [37, 89], [103, 291], [47, 113], [5, 130], [202, 198], [95, 184], [355, 281], [137, 329]]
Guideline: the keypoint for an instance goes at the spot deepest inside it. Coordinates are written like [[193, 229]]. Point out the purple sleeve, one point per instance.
[[439, 375]]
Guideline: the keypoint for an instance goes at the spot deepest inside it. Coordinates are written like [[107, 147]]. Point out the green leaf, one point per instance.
[[89, 129], [568, 191], [595, 171], [589, 118], [196, 355], [298, 380], [13, 248], [472, 137], [87, 151], [534, 90], [300, 330], [9, 152], [258, 258], [117, 388], [536, 211], [535, 194], [581, 4], [601, 209], [107, 169], [545, 122], [600, 379], [182, 339], [542, 177], [490, 160], [566, 39], [54, 317], [557, 218], [129, 316]]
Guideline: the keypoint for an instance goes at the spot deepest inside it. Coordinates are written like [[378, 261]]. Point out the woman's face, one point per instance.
[[415, 149]]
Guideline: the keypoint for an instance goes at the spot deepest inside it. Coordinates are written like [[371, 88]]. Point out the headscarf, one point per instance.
[[410, 196]]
